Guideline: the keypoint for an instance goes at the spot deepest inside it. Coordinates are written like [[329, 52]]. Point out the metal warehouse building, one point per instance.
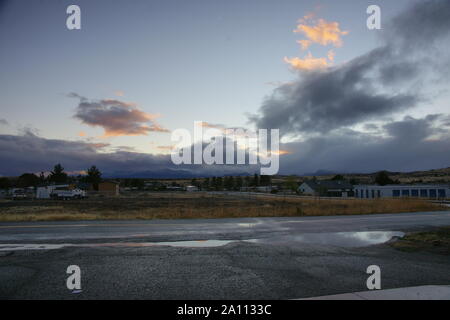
[[397, 191]]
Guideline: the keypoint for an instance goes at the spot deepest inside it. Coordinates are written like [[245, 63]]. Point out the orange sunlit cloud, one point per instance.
[[309, 63], [282, 152], [204, 124], [304, 43], [320, 31], [168, 148], [117, 118]]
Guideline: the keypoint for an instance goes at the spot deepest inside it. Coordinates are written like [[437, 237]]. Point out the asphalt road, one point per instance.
[[278, 258], [201, 229]]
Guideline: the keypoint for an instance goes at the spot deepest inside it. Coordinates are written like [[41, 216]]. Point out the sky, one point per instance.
[[345, 98]]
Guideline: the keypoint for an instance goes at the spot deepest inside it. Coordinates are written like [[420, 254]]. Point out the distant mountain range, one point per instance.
[[426, 176]]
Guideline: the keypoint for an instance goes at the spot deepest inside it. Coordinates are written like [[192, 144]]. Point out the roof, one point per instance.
[[401, 186], [328, 184], [112, 182]]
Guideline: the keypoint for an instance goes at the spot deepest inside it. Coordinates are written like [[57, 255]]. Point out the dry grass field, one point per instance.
[[199, 205]]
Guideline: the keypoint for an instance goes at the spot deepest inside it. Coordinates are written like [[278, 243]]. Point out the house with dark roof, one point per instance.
[[326, 188]]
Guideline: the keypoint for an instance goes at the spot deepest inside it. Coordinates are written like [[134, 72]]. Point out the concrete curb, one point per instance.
[[409, 293]]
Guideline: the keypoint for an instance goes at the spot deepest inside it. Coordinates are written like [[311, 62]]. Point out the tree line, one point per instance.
[[231, 182], [56, 176]]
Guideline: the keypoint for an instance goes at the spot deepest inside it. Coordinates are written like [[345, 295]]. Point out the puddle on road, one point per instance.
[[340, 239], [18, 247]]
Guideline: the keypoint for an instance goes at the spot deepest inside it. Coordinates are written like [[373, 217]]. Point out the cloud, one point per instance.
[[404, 145], [304, 43], [331, 55], [308, 63], [330, 99], [113, 161], [117, 118], [390, 79], [119, 93], [204, 124], [319, 31], [3, 122], [165, 149]]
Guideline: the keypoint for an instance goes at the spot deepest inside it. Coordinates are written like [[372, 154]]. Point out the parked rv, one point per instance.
[[59, 192], [67, 194]]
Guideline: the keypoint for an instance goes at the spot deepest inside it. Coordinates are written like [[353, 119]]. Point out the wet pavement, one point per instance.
[[270, 258], [340, 239], [213, 229]]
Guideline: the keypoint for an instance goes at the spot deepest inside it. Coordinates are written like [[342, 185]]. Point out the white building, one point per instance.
[[191, 188], [435, 191], [328, 188]]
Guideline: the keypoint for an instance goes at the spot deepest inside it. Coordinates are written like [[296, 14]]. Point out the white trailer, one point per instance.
[[68, 194], [45, 192]]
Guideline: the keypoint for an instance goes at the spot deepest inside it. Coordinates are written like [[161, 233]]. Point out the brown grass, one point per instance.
[[437, 241], [200, 205]]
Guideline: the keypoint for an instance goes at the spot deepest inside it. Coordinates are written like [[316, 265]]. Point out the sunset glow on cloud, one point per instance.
[[317, 31], [308, 63], [117, 118], [320, 31]]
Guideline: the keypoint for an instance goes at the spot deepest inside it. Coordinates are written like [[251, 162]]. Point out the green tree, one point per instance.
[[265, 180], [219, 183], [291, 183], [382, 178], [140, 183], [94, 176], [206, 184], [255, 181], [28, 180], [238, 183], [58, 175], [338, 177], [42, 178], [247, 181], [229, 183], [5, 183]]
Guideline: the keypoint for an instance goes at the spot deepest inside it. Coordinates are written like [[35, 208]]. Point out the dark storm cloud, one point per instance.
[[31, 153], [381, 82], [406, 145], [117, 118], [421, 26]]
